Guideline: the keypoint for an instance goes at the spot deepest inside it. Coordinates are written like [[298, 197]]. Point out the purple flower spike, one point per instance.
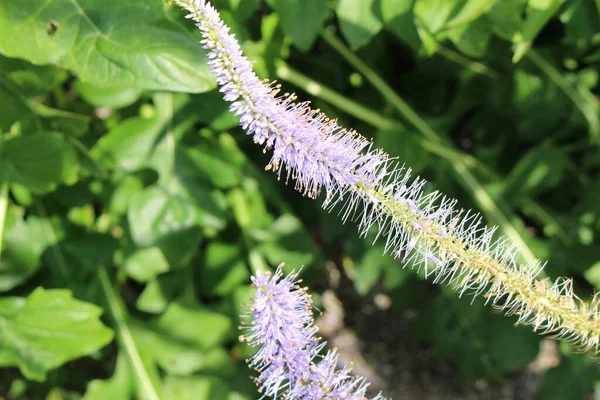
[[424, 228], [288, 360]]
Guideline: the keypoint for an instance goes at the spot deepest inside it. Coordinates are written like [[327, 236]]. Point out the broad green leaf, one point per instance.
[[434, 14], [47, 329], [145, 264], [470, 11], [15, 109], [359, 21], [223, 269], [194, 324], [368, 265], [540, 169], [243, 9], [120, 386], [34, 161], [302, 20], [169, 220], [505, 17], [163, 289], [288, 242], [405, 147], [24, 243], [179, 357], [248, 206], [213, 163], [398, 18], [196, 388], [138, 46], [473, 38], [123, 192], [31, 80], [558, 383], [539, 13], [129, 144], [103, 96], [581, 20], [592, 275], [523, 344]]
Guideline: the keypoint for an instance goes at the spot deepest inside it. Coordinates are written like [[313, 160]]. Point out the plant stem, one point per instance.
[[386, 91], [449, 153], [461, 171], [3, 209], [145, 384], [588, 110], [372, 117], [474, 66], [316, 89]]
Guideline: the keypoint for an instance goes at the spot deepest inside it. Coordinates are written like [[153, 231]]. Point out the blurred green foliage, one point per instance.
[[133, 207]]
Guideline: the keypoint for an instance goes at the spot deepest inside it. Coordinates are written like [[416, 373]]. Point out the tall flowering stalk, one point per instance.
[[451, 244], [282, 327]]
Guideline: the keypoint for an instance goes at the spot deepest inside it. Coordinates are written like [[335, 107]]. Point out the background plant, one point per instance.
[[127, 183]]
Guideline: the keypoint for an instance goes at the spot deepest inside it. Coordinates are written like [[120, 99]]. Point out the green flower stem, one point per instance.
[[460, 59], [145, 385], [3, 209], [460, 168], [589, 111]]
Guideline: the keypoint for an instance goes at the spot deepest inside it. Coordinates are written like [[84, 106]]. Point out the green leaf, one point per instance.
[[24, 243], [540, 169], [473, 39], [302, 20], [47, 329], [31, 80], [15, 109], [194, 324], [368, 264], [169, 220], [243, 9], [592, 275], [288, 242], [145, 264], [223, 269], [160, 291], [433, 14], [195, 388], [505, 17], [398, 18], [581, 20], [103, 96], [129, 144], [405, 147], [359, 21], [138, 46], [524, 345], [539, 13], [471, 10], [558, 383], [178, 357], [213, 163], [34, 161], [119, 386]]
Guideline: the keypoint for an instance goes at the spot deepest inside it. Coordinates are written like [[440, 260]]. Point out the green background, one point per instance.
[[135, 210]]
